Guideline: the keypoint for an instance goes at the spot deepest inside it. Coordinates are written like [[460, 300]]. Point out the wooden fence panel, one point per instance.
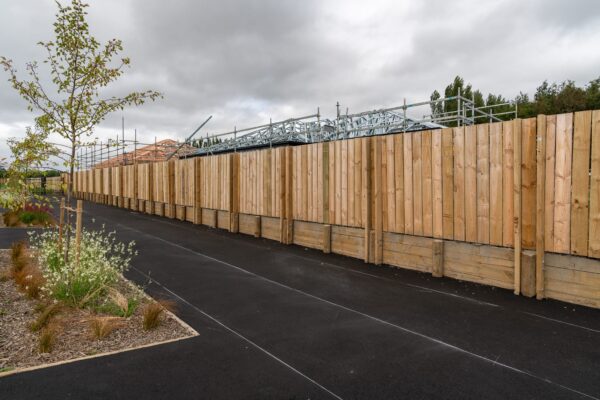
[[163, 182], [129, 183], [106, 181], [144, 181], [260, 182], [184, 186], [116, 181], [215, 173]]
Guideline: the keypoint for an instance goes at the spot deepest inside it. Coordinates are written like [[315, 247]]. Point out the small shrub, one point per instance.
[[47, 339], [101, 327], [18, 256], [11, 219], [30, 280], [45, 316], [34, 217], [153, 312], [111, 308], [102, 261]]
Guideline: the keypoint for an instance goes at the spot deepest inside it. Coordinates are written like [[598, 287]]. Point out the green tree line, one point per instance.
[[549, 98]]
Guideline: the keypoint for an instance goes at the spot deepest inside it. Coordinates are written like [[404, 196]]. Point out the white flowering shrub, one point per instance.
[[102, 260]]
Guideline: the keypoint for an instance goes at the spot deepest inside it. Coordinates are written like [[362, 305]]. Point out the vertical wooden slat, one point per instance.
[[384, 184], [496, 204], [517, 203], [332, 180], [540, 203], [358, 182], [399, 181], [562, 182], [417, 183], [351, 221], [471, 184], [447, 185], [483, 184], [594, 234], [338, 183], [508, 176], [528, 181], [437, 185], [459, 182], [549, 182], [366, 194], [427, 185], [390, 184], [581, 183], [378, 202], [408, 185]]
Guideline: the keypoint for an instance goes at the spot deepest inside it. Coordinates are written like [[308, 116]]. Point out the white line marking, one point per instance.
[[401, 328], [236, 333], [340, 267], [561, 322]]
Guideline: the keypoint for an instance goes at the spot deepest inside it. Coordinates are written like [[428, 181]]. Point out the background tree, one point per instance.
[[80, 68], [549, 98], [30, 153]]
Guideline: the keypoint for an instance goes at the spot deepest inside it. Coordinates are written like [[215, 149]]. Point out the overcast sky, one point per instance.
[[247, 61]]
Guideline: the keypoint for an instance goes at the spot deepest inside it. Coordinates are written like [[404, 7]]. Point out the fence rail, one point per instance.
[[523, 186]]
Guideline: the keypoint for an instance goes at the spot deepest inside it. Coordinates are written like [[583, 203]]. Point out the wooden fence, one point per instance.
[[513, 204]]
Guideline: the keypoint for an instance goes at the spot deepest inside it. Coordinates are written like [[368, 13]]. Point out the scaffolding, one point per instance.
[[302, 130], [314, 129]]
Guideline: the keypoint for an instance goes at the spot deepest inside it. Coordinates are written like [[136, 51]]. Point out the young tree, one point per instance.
[[80, 68], [28, 153]]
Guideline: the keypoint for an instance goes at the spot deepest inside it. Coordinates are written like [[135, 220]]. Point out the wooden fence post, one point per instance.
[[438, 258], [540, 246], [78, 226], [326, 238], [517, 203]]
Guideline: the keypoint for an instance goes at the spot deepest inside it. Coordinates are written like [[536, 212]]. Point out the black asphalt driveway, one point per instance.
[[284, 322]]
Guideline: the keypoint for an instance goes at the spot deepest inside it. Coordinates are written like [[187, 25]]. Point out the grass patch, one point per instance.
[[101, 327], [153, 312], [46, 314], [47, 339], [18, 256]]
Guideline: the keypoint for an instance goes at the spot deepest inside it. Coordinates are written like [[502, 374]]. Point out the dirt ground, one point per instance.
[[19, 345]]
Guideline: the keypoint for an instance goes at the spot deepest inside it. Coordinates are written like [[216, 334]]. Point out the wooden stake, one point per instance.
[[540, 207], [61, 222], [78, 226]]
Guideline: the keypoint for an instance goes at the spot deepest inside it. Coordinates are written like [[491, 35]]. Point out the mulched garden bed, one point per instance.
[[19, 345]]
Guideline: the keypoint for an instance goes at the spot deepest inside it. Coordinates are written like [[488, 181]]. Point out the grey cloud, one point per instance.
[[246, 61]]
